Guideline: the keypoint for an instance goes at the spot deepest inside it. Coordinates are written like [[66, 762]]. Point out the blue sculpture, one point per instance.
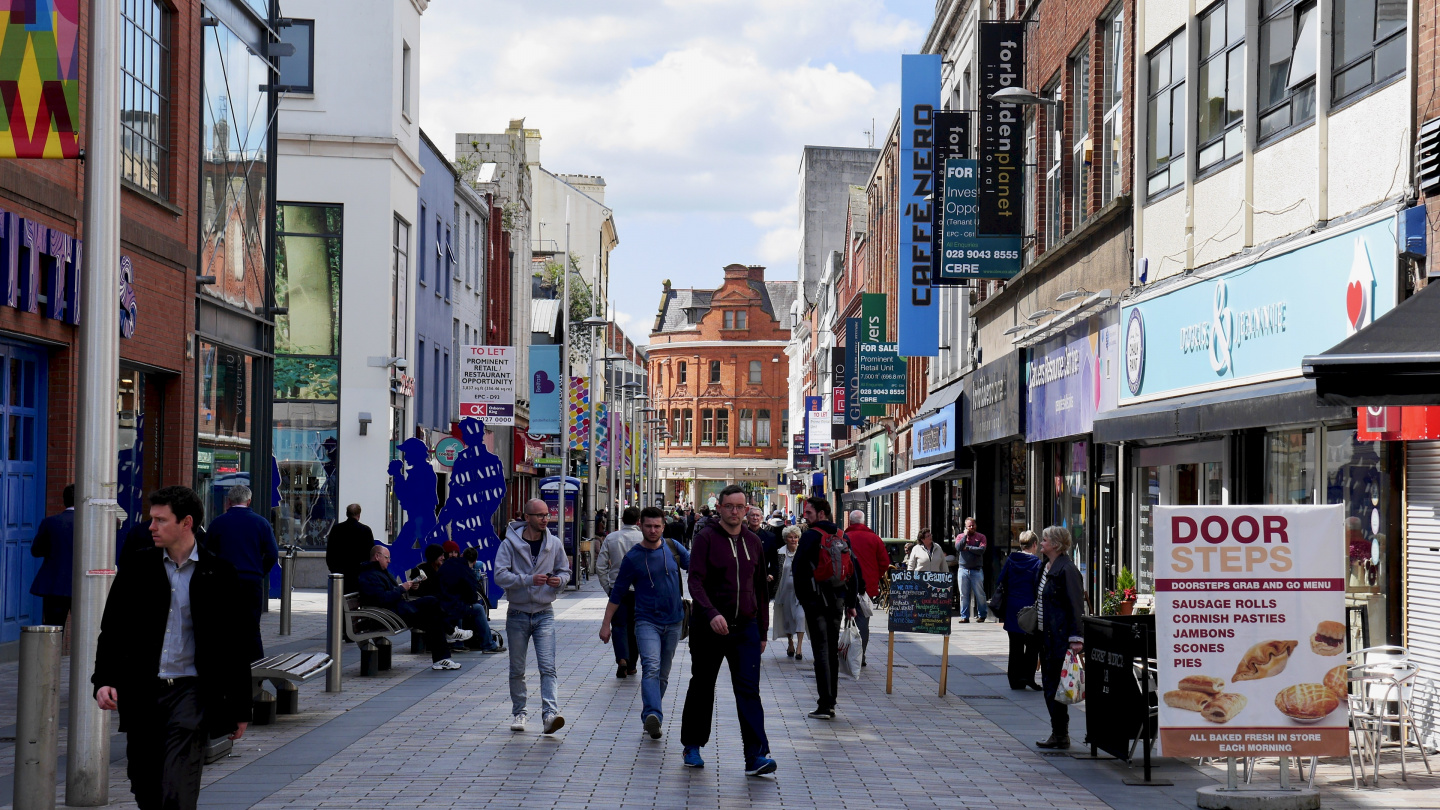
[[476, 492], [414, 485]]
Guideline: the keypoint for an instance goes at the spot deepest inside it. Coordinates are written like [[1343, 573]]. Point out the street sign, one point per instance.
[[487, 384], [881, 373], [447, 449]]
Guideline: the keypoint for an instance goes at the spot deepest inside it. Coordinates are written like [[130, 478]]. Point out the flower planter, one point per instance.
[[1127, 607]]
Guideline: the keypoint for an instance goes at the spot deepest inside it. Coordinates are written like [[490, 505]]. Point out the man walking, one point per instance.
[[654, 568], [822, 555], [612, 552], [532, 568], [348, 546], [727, 583], [869, 551], [377, 589], [246, 541], [167, 657], [970, 545], [55, 544]]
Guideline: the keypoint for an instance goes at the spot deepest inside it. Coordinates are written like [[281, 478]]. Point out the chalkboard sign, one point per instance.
[[1116, 709], [920, 602]]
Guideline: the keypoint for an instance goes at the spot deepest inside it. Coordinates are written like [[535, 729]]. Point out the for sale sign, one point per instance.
[[1250, 617], [487, 384]]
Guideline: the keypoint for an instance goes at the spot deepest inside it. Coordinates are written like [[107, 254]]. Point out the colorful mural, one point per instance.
[[40, 78]]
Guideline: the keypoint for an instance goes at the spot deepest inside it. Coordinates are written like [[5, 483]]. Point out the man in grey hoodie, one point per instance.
[[532, 568], [607, 567]]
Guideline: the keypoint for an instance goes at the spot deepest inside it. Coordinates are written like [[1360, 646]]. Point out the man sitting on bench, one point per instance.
[[377, 589], [460, 582]]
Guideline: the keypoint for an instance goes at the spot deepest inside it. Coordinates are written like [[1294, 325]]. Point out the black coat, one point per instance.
[[1063, 603], [349, 547], [377, 587], [132, 632], [811, 594]]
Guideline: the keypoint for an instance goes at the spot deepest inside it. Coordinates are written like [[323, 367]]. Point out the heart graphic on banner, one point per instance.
[[1354, 302], [543, 383]]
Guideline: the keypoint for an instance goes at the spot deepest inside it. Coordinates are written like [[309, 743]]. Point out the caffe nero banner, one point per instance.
[[919, 313], [1001, 141]]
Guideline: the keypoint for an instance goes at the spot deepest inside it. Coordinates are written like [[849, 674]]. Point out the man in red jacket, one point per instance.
[[869, 551]]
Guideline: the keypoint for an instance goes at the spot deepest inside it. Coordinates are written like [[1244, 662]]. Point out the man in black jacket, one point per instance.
[[348, 547], [824, 605], [377, 589], [170, 656]]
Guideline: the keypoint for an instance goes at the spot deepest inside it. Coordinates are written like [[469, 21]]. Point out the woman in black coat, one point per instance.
[[1016, 585], [1062, 606]]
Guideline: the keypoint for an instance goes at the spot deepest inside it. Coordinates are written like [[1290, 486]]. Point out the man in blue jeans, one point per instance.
[[653, 567], [532, 568], [970, 545]]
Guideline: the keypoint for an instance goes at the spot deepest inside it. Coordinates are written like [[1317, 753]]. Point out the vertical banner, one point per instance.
[[919, 313], [854, 411], [952, 142], [1002, 143], [1250, 630], [545, 390], [839, 395], [487, 384], [40, 71], [873, 330], [579, 407]]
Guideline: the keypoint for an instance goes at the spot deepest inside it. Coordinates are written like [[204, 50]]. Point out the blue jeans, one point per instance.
[[657, 643], [972, 583], [519, 629], [476, 620]]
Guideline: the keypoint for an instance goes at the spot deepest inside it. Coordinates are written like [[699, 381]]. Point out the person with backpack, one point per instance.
[[653, 569], [827, 583]]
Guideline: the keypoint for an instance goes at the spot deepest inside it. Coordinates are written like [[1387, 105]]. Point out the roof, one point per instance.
[[544, 315], [776, 298]]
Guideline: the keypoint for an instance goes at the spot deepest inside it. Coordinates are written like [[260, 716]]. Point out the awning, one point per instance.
[[1393, 361], [940, 398], [1247, 406], [895, 483]]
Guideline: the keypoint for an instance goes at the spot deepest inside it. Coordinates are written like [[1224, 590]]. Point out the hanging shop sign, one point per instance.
[[965, 252], [932, 439], [919, 310], [799, 459], [1250, 630], [545, 390], [881, 373], [1000, 191], [994, 397], [1407, 423], [818, 430], [487, 384], [873, 316], [1071, 377], [877, 456], [839, 395], [952, 142], [40, 69], [854, 410], [1255, 322]]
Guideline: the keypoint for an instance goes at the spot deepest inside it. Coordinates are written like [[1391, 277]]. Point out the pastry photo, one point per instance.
[[1306, 702], [1222, 708], [1264, 660], [1187, 700], [1329, 639], [1337, 681], [1206, 684]]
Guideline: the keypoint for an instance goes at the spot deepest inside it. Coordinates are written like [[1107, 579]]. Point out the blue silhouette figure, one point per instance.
[[414, 484], [477, 490]]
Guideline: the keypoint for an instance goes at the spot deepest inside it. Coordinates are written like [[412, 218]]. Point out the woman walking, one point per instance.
[[1018, 579], [926, 555], [789, 619], [1061, 604]]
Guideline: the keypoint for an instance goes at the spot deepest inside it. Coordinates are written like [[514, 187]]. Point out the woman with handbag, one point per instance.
[[789, 620], [1057, 613], [1014, 591]]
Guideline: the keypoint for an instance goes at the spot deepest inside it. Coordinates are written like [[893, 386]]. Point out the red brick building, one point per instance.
[[718, 372]]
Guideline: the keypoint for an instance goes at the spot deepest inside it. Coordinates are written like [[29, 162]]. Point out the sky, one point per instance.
[[694, 111]]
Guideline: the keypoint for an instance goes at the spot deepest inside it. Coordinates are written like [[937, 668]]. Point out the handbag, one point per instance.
[[1072, 680], [867, 607], [1028, 618], [685, 606], [997, 599]]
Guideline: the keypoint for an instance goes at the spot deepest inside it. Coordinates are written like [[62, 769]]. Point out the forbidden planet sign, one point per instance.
[[1250, 618]]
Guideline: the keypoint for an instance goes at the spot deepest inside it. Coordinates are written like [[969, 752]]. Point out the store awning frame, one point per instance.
[[895, 483], [1393, 361], [1279, 402]]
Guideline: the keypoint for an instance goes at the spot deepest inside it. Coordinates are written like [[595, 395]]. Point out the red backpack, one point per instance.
[[835, 566]]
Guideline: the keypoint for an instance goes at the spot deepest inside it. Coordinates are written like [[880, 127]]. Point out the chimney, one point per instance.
[[757, 272], [532, 147], [737, 271]]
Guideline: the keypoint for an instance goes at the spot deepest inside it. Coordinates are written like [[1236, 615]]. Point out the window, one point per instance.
[[714, 371], [1081, 147], [722, 427], [675, 431], [449, 259], [1219, 135], [741, 317], [680, 376], [1055, 177], [405, 79], [1029, 169], [441, 277], [307, 284], [1369, 44], [1287, 65], [729, 319], [688, 433], [420, 380], [297, 71], [707, 427], [1113, 127], [1290, 467], [420, 243], [754, 372], [762, 428], [145, 96], [747, 428], [1165, 140], [466, 246]]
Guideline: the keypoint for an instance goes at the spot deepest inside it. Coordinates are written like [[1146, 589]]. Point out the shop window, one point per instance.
[[755, 372], [1368, 43], [1113, 126], [145, 96], [747, 428], [762, 428], [1290, 467], [707, 427], [714, 372], [1287, 65], [306, 451], [688, 433], [1219, 136], [722, 427], [307, 283], [1165, 130], [399, 282], [1357, 476]]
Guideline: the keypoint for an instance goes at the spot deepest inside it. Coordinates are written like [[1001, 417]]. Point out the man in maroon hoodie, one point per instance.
[[729, 623], [869, 551]]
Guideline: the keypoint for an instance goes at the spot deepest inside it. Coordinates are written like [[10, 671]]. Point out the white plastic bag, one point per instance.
[[851, 650], [867, 607], [1072, 680]]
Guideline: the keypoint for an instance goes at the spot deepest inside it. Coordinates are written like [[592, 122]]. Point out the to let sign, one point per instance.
[[487, 384]]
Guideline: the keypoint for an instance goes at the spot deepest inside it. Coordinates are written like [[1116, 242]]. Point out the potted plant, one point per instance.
[[1121, 601]]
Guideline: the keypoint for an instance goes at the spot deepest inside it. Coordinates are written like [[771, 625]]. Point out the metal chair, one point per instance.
[[1387, 686]]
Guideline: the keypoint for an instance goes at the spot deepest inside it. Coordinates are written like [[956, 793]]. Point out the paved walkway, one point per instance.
[[411, 737]]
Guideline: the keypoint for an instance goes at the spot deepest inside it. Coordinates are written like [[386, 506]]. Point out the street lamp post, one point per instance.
[[594, 322]]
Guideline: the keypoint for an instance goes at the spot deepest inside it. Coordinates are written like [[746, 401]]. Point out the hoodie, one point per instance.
[[612, 552], [727, 577], [515, 571]]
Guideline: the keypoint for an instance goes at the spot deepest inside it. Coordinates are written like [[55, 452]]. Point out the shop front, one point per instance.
[[1212, 408], [995, 434], [935, 447]]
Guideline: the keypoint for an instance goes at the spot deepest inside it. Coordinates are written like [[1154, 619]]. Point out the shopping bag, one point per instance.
[[850, 650], [867, 607], [1072, 680]]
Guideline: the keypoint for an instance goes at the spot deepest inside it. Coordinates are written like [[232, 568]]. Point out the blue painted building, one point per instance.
[[436, 263]]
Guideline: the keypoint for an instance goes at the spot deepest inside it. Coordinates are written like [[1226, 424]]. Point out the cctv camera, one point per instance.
[[401, 363]]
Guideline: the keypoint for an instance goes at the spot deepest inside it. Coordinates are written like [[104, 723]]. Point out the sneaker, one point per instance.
[[458, 635], [553, 723], [760, 767], [692, 757], [620, 669], [652, 726], [517, 723], [445, 663], [822, 713]]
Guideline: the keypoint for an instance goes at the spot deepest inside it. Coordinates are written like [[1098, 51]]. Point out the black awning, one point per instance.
[[1393, 361], [1247, 406]]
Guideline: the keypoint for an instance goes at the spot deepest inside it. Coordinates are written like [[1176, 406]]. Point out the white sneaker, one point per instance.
[[459, 635], [517, 723], [445, 663], [553, 723]]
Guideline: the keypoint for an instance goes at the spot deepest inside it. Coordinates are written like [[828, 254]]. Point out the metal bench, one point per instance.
[[285, 672], [371, 628]]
